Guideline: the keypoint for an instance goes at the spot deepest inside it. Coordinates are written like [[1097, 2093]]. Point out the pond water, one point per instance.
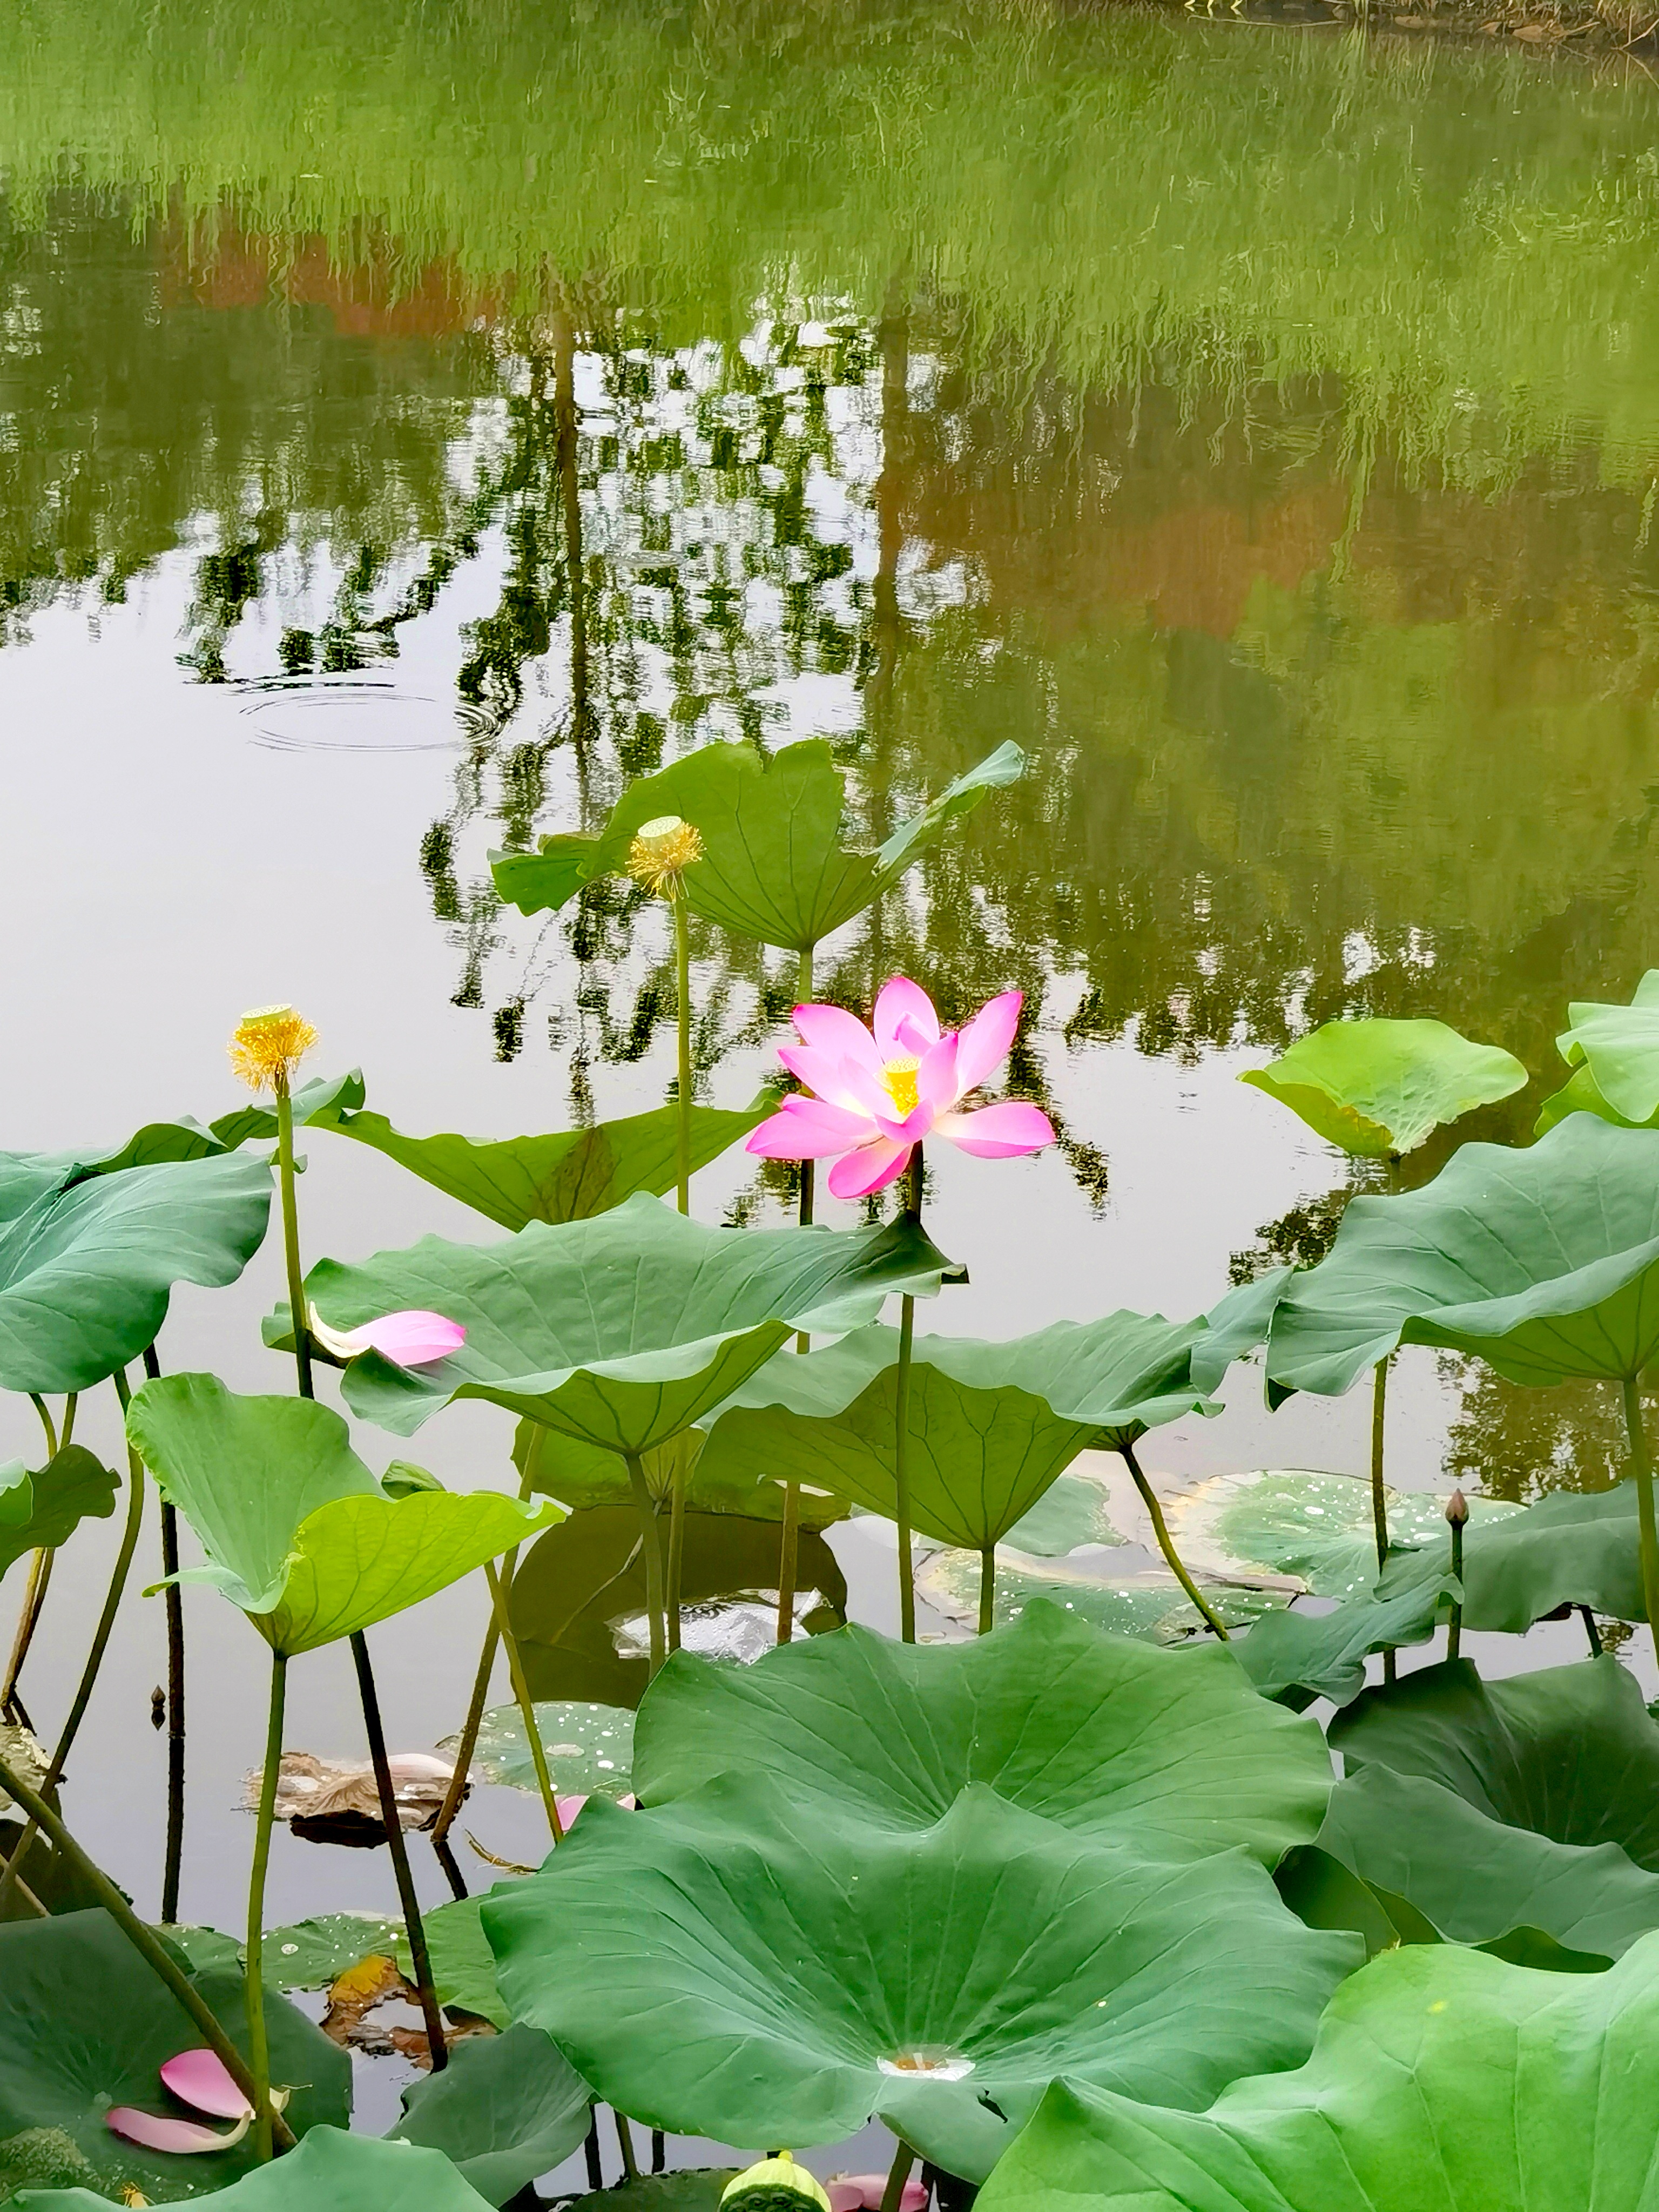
[[413, 423]]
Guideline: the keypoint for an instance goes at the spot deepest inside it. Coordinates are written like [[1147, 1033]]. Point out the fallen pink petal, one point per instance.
[[184, 2137], [201, 2078], [863, 2192], [413, 1338]]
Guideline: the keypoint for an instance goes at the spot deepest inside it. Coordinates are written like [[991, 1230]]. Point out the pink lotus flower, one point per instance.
[[198, 2078], [863, 2192], [877, 1093], [413, 1338]]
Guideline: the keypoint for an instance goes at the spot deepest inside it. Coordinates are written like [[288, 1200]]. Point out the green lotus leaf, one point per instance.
[[314, 1102], [54, 1880], [620, 1331], [1091, 1731], [1443, 2080], [1566, 1550], [86, 1271], [589, 1748], [1579, 1095], [691, 2188], [1379, 1088], [773, 867], [296, 1530], [330, 2172], [309, 1955], [1321, 1889], [39, 1511], [1147, 1603], [1298, 1656], [1071, 1513], [738, 1966], [156, 1143], [1317, 1526], [506, 2108], [1235, 1325], [582, 1588], [1544, 1262], [1617, 1047], [463, 1964], [579, 1474], [990, 1426], [84, 2024]]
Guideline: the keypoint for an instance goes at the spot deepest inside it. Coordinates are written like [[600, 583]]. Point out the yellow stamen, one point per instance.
[[661, 851], [900, 1077], [268, 1044]]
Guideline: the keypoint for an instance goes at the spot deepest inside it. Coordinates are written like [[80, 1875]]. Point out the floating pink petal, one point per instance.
[[863, 2192], [413, 1338], [183, 2136], [201, 2078]]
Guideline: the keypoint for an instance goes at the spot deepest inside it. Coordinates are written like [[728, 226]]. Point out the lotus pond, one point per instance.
[[726, 1521]]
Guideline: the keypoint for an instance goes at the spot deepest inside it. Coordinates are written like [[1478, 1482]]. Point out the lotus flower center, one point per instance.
[[900, 1077], [929, 2063]]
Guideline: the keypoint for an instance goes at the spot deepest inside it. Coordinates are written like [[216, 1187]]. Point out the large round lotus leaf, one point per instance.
[[1092, 1731], [580, 1473], [1147, 1603], [86, 1272], [1443, 2080], [740, 1965], [41, 1509], [622, 1330], [85, 2024], [1545, 1263], [1298, 1656], [506, 2108], [990, 1426], [329, 2171], [773, 867], [579, 1598], [296, 1530], [589, 1748], [1378, 1088]]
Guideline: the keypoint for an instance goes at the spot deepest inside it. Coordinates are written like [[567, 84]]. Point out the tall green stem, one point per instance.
[[254, 1986], [469, 1737], [45, 1412], [1166, 1545], [682, 993], [392, 1820], [151, 1949], [34, 1597], [987, 1588], [173, 1600], [70, 1406], [1379, 1495], [901, 1423], [521, 1699], [1641, 1468], [1454, 1625], [789, 1534], [652, 1537], [296, 1287], [677, 1538], [897, 2174]]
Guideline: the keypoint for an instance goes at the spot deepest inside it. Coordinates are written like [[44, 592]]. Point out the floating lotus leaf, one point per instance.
[[1379, 1088], [1072, 1514], [1443, 2080], [739, 1966], [310, 1954], [620, 1331], [579, 1474], [85, 2024], [990, 1426], [86, 1270], [589, 1748], [773, 867], [1147, 1603], [506, 2108], [296, 1530], [578, 1597], [1614, 1052], [1092, 1731], [1298, 1656], [691, 2188], [42, 1509], [330, 2172], [1544, 1262]]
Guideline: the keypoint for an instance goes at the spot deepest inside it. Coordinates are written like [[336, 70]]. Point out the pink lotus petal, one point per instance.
[[863, 2192], [820, 1069], [413, 1338], [201, 2078], [183, 2136], [570, 1806], [937, 1084], [809, 1129], [845, 2196], [834, 1031], [872, 1168], [904, 1020], [998, 1133], [985, 1041]]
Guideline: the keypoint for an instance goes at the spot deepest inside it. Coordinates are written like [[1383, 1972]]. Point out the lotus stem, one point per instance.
[[253, 1985], [149, 1947], [71, 1406], [296, 1287], [1641, 1468], [907, 1569], [897, 2174], [682, 993], [173, 1600], [659, 2150], [591, 2151], [464, 1749], [498, 1590], [1593, 1632], [1379, 1496], [34, 1597], [625, 2145], [1165, 1543], [677, 1537], [45, 1412], [652, 1536], [788, 1562], [987, 1588], [1457, 1513], [392, 1820]]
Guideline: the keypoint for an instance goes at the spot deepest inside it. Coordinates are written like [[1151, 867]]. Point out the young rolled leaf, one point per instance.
[[937, 1977], [505, 2109], [86, 1271], [990, 1426], [1091, 1731], [1614, 1052], [39, 1511], [773, 865], [1544, 1262], [619, 1331], [580, 1475], [1378, 1088], [296, 1530], [1443, 2080], [86, 2025], [330, 2171]]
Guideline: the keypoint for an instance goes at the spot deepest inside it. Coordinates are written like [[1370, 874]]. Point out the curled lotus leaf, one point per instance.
[[773, 867], [1295, 1657], [1614, 1053], [620, 1331], [1092, 1731], [296, 1530], [1443, 2080], [87, 1268], [990, 1426], [42, 1509], [740, 1966], [330, 2171], [505, 2109], [1380, 1088], [1542, 1261]]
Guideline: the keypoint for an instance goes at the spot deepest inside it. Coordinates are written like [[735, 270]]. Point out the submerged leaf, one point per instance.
[[1147, 1603], [313, 1955], [589, 1748], [505, 2109], [1380, 1088]]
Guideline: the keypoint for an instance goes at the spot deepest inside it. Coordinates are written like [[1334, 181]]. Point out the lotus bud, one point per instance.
[[776, 2184], [662, 850], [268, 1045], [1457, 1509]]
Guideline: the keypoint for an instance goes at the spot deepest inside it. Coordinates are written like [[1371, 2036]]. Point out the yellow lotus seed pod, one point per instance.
[[661, 851], [776, 2184], [268, 1044]]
